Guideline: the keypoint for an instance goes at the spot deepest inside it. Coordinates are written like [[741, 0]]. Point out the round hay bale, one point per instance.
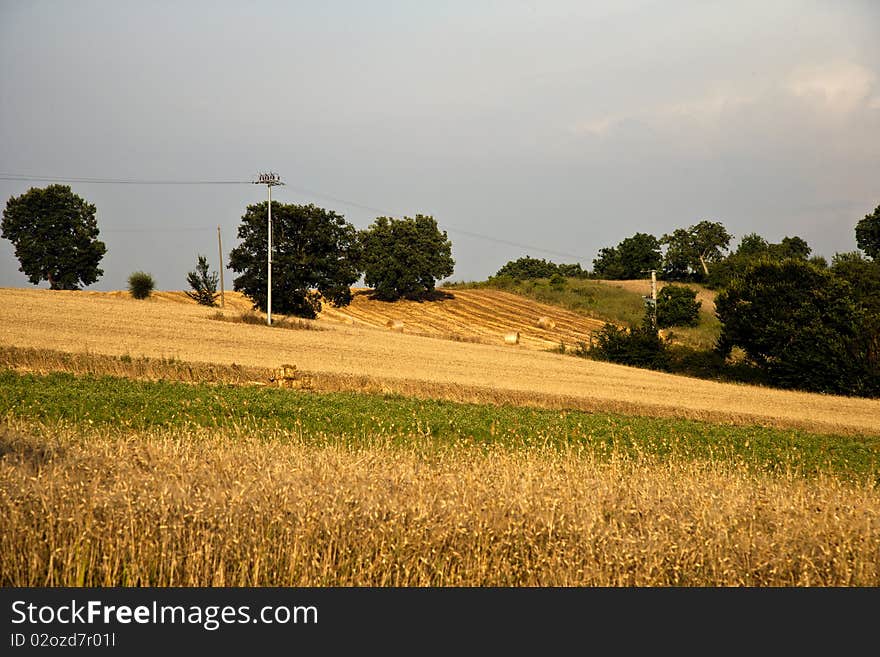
[[546, 323], [395, 325], [345, 319], [512, 338]]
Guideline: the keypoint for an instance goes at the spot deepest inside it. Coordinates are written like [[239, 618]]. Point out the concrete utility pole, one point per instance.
[[270, 180], [220, 251]]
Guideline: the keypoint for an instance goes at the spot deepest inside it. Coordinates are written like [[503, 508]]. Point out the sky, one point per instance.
[[550, 129]]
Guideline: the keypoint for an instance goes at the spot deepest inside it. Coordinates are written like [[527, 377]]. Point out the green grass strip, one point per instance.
[[351, 418]]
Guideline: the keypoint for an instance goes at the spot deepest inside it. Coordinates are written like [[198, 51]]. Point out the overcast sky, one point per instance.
[[556, 128]]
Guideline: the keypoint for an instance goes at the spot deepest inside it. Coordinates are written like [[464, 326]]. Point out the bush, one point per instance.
[[141, 285], [639, 346], [677, 306]]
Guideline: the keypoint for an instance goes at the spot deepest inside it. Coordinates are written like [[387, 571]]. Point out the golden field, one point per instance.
[[252, 503], [362, 355], [197, 507]]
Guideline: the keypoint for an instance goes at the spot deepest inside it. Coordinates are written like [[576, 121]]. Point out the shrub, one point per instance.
[[677, 306], [557, 282], [639, 346], [141, 285]]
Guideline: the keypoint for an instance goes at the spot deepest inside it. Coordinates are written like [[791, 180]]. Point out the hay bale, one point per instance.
[[512, 338], [285, 372], [395, 325], [345, 319], [546, 323], [286, 376]]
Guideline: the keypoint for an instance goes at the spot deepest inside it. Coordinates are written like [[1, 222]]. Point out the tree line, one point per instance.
[[801, 322], [317, 255]]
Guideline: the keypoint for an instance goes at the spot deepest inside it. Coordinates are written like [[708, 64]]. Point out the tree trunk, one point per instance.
[[703, 262]]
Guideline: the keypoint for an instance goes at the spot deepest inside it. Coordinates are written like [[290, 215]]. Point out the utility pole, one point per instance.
[[270, 180], [220, 251], [654, 295], [652, 300]]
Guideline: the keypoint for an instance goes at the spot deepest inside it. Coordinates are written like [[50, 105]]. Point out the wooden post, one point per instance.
[[220, 251], [654, 294]]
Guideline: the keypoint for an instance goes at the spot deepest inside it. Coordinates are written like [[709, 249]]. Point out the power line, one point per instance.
[[177, 229], [117, 181], [301, 190], [386, 213]]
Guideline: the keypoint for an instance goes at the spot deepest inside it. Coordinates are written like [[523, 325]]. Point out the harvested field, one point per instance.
[[350, 355], [485, 316]]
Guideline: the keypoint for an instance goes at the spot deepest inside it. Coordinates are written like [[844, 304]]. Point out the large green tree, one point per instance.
[[315, 256], [55, 235], [689, 252], [752, 248], [405, 257], [868, 234], [630, 259], [799, 324]]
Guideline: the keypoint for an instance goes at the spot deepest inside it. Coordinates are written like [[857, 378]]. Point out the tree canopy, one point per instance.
[[752, 248], [527, 267], [315, 255], [690, 251], [630, 259], [868, 234], [55, 235], [405, 257], [800, 325]]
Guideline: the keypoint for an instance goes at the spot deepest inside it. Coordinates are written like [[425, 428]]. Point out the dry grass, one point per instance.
[[481, 316], [201, 508], [251, 317], [357, 357]]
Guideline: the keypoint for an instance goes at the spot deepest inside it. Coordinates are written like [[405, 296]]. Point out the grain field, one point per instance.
[[115, 325]]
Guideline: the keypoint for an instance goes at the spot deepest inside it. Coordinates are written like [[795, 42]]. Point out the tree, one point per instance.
[[790, 247], [607, 264], [630, 259], [203, 284], [679, 255], [752, 245], [799, 325], [572, 270], [405, 257], [691, 250], [863, 275], [55, 235], [752, 248], [677, 305], [528, 268], [314, 252], [868, 234]]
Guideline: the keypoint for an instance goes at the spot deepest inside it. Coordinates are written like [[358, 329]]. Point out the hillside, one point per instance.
[[472, 316], [359, 356]]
